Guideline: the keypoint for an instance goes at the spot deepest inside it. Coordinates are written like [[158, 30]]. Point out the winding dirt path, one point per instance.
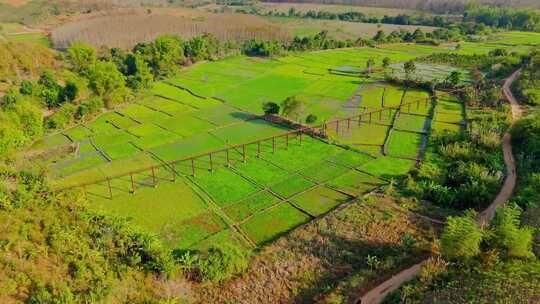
[[511, 176], [377, 294]]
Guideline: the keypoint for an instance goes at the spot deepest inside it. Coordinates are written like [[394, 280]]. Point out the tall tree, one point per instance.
[[292, 107], [370, 64], [410, 69], [107, 82], [81, 56]]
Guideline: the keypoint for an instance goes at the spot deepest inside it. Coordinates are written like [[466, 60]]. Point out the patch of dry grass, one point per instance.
[[126, 27]]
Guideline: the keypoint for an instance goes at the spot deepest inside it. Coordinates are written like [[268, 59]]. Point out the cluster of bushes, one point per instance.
[[89, 81], [462, 170], [499, 257], [292, 107], [24, 59], [21, 121], [219, 262], [66, 253], [526, 143], [321, 41], [479, 61], [527, 87], [463, 240], [91, 256]]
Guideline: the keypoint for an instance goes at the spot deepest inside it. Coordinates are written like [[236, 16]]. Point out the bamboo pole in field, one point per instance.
[[154, 181], [300, 134], [274, 144], [84, 192], [259, 149], [192, 167], [211, 162], [132, 183], [383, 97], [228, 161], [348, 124], [110, 188], [287, 141], [244, 157], [173, 166]]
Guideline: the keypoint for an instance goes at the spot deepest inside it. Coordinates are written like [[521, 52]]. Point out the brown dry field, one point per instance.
[[126, 27]]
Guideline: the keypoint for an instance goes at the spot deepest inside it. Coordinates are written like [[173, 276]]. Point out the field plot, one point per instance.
[[429, 72], [287, 187], [449, 113], [339, 29], [404, 144], [411, 122], [520, 42], [135, 150]]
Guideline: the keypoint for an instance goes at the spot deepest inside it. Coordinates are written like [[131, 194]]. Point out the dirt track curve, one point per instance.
[[377, 294]]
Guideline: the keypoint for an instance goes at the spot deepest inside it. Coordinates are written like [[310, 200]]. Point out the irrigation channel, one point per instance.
[[378, 294], [278, 141]]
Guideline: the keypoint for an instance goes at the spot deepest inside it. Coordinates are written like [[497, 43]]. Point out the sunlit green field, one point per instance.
[[253, 196]]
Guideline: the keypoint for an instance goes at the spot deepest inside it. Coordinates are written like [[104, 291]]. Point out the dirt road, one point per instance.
[[511, 177], [377, 294]]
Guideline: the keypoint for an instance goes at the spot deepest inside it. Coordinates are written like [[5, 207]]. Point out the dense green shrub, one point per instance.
[[68, 254], [461, 238], [107, 82], [311, 118], [81, 56], [508, 235], [466, 171], [271, 108], [223, 261], [255, 47], [89, 107], [20, 121], [63, 117], [293, 107]]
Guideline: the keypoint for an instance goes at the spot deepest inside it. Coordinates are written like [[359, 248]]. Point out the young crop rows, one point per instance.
[[195, 162]]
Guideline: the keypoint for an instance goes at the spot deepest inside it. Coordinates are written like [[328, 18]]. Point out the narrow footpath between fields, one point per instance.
[[377, 294]]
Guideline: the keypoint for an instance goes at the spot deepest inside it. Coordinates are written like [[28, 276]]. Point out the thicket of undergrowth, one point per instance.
[[462, 170]]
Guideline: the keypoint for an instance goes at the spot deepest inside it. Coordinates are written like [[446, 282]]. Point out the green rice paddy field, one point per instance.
[[255, 193]]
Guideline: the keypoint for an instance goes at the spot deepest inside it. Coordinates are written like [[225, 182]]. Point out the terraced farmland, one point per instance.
[[195, 162]]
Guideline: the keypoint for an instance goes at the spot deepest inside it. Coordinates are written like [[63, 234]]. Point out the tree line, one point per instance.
[[434, 6], [483, 16], [356, 16]]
